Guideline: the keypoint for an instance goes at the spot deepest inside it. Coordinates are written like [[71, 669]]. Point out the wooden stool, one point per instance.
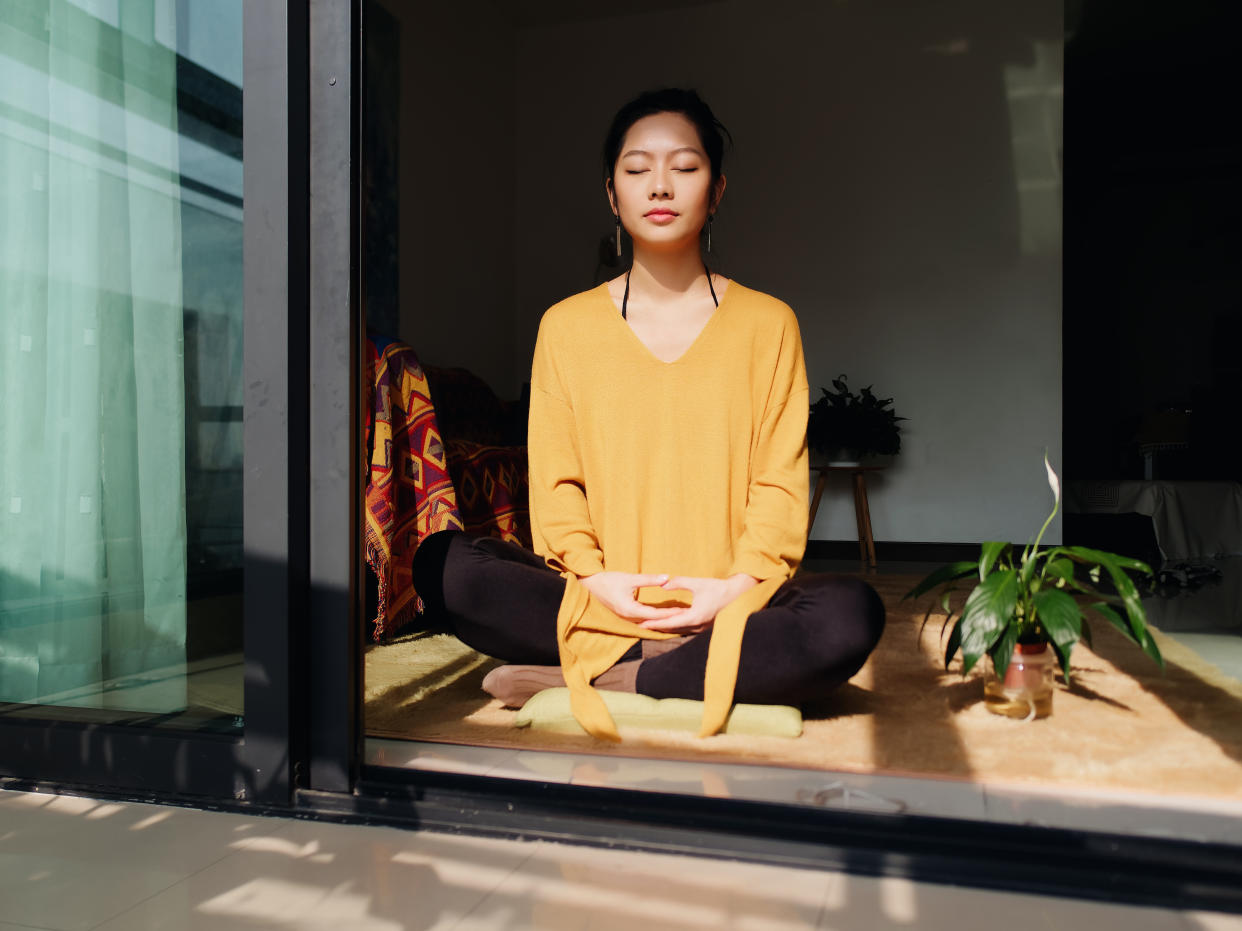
[[862, 514]]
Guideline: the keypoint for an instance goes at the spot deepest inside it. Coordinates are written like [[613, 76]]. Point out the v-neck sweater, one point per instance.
[[693, 467]]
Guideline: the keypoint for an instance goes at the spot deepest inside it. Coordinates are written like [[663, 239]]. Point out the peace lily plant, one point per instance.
[[1036, 596]]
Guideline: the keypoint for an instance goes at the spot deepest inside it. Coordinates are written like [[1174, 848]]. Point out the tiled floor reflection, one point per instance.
[[1207, 617], [1154, 815], [69, 863]]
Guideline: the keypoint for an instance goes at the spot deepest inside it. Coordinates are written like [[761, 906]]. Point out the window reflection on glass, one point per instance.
[[120, 411], [1035, 93]]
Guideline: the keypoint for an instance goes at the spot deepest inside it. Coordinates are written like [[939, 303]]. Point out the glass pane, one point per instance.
[[936, 202], [120, 417]]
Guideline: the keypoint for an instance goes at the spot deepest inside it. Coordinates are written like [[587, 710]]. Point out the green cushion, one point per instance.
[[549, 711]]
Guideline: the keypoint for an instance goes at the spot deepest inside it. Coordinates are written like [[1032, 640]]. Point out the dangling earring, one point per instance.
[[617, 217], [710, 217]]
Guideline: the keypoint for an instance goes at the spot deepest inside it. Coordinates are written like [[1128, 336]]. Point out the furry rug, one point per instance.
[[1122, 725]]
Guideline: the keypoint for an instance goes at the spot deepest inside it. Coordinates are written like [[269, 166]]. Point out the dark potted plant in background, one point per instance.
[[1028, 610], [846, 427]]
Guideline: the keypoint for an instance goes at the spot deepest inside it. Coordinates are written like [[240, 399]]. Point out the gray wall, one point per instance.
[[895, 179], [456, 213]]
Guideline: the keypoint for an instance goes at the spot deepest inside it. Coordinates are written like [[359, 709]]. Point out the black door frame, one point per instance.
[[333, 615]]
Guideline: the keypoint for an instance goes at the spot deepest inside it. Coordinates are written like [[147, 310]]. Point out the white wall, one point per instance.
[[895, 179]]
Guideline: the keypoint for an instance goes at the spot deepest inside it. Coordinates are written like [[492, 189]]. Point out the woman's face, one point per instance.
[[662, 182]]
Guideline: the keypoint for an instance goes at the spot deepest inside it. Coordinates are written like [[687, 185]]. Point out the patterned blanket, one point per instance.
[[418, 484], [409, 492], [492, 489]]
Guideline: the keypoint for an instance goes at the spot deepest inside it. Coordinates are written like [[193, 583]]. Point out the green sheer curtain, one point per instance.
[[92, 414]]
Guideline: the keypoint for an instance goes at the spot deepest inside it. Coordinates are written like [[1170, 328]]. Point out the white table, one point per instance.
[[1193, 520]]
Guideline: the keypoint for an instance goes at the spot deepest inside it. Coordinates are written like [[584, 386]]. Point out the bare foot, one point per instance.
[[514, 684]]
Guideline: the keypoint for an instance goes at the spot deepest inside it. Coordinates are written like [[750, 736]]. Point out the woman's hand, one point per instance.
[[617, 589], [711, 596]]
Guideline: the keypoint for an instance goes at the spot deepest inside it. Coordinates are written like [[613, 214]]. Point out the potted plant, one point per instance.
[[1027, 610], [846, 427]]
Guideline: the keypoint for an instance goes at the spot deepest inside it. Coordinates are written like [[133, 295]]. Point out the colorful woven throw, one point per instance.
[[493, 491], [409, 492]]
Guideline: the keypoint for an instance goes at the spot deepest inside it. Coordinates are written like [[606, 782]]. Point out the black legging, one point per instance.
[[502, 600]]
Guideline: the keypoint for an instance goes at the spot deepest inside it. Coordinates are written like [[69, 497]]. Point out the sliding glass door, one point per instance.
[[127, 330]]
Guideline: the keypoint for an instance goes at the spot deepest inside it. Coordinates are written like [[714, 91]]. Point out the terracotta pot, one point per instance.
[[1026, 691]]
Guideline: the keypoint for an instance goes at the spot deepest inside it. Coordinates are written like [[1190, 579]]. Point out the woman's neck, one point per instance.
[[666, 276]]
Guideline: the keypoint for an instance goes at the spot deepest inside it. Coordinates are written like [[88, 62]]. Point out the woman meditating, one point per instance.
[[668, 475]]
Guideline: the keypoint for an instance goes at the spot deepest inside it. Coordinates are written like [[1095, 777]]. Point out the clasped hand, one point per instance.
[[618, 591]]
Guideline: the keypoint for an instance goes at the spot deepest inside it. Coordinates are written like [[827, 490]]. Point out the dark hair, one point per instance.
[[689, 104]]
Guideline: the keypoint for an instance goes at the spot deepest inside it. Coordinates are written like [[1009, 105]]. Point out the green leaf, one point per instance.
[[1144, 641], [1063, 658], [945, 594], [1060, 568], [1135, 611], [1002, 651], [988, 610], [1106, 612], [1077, 588], [955, 642], [948, 614], [1060, 616], [1062, 622], [1151, 649], [1030, 559], [1130, 599], [949, 573], [1085, 554], [987, 558]]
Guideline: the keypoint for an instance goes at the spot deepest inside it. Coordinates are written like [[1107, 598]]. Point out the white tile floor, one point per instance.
[[72, 863]]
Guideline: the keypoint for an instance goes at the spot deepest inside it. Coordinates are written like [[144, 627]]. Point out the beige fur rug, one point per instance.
[[1122, 725]]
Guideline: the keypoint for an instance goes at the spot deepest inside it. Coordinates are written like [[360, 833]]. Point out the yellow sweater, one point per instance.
[[694, 467]]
